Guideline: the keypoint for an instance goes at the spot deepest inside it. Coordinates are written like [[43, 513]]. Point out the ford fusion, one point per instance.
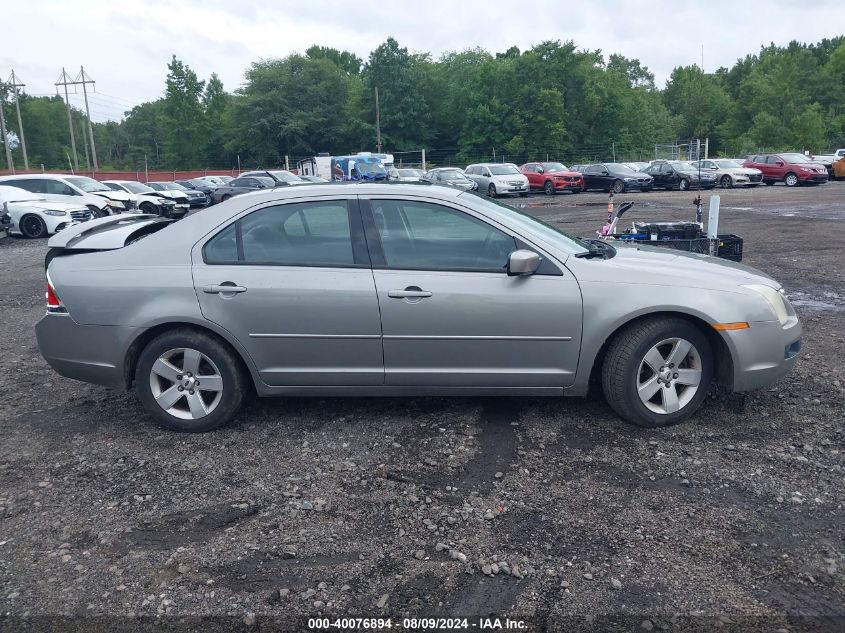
[[398, 290]]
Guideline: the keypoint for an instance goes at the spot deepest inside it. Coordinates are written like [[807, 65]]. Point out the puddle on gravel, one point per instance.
[[817, 303]]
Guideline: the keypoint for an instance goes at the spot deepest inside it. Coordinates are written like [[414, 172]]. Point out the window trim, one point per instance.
[[360, 254]]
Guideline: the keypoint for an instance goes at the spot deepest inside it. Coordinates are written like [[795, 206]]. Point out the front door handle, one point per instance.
[[222, 288], [411, 292]]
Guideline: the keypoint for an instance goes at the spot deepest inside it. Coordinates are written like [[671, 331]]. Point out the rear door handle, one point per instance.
[[222, 288], [408, 293]]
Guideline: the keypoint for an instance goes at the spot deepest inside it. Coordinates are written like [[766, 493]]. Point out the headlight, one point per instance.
[[777, 300], [629, 179], [117, 204], [55, 212], [805, 169]]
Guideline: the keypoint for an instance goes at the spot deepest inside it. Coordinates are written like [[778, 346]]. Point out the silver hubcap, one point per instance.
[[669, 376], [791, 180], [186, 383]]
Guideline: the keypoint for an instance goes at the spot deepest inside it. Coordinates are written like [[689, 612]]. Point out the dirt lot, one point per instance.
[[546, 510]]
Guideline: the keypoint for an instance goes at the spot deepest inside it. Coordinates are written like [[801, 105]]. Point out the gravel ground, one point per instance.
[[551, 511]]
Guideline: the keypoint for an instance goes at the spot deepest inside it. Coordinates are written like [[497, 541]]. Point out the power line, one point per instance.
[[64, 80], [13, 83]]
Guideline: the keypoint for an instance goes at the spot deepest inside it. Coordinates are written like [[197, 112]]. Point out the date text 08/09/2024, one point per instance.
[[417, 624]]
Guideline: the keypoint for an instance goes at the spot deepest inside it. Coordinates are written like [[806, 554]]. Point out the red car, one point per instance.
[[790, 168], [552, 177]]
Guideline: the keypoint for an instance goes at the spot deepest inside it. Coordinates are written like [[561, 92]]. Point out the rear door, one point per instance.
[[451, 316], [292, 281]]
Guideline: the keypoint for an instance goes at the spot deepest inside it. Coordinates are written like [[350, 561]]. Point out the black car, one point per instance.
[[615, 177], [240, 185], [678, 174], [203, 186]]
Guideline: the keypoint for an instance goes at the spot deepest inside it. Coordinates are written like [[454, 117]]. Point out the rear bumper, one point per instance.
[[764, 353], [89, 353]]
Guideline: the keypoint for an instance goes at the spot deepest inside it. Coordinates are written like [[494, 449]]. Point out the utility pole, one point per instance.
[[84, 80], [378, 125], [9, 162], [13, 82], [64, 80]]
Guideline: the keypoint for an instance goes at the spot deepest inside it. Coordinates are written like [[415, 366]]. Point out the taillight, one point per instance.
[[54, 304]]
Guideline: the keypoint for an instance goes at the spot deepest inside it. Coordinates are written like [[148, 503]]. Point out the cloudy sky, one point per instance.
[[125, 44]]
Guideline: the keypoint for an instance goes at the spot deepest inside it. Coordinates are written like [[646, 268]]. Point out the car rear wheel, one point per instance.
[[657, 372], [790, 180], [727, 181], [33, 227], [618, 186], [549, 188], [683, 185], [189, 381], [491, 190]]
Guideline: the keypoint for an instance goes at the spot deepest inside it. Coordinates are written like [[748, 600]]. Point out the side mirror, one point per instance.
[[523, 262]]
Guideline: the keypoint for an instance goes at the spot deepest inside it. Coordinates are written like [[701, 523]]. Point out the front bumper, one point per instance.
[[90, 353], [817, 178], [568, 185], [764, 353]]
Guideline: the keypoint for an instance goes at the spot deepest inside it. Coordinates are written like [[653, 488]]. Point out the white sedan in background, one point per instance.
[[729, 172], [33, 216]]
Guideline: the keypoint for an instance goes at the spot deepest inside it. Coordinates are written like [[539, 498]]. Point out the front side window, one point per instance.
[[298, 234], [426, 236], [57, 187]]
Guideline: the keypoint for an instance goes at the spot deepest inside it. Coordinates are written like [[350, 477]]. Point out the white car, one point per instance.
[[148, 200], [216, 180], [72, 189], [729, 172], [409, 175], [167, 190], [33, 216], [498, 179]]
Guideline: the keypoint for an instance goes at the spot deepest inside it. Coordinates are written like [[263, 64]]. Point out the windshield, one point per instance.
[[137, 187], [503, 170], [88, 185], [410, 173], [554, 167], [728, 164], [174, 186], [453, 174], [795, 158], [16, 194], [619, 168], [548, 232], [684, 166], [285, 176]]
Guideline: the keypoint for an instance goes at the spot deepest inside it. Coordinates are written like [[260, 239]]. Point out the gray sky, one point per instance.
[[126, 44]]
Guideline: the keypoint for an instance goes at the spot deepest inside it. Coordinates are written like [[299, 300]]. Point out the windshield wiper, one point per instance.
[[597, 248]]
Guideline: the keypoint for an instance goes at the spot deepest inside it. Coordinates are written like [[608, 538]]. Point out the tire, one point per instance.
[[213, 362], [225, 197], [491, 190], [727, 182], [790, 180], [32, 226], [522, 195], [149, 207], [549, 188], [769, 183], [683, 185], [95, 212], [618, 186], [627, 372]]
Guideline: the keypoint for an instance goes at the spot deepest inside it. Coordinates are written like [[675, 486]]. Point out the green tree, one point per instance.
[[183, 116]]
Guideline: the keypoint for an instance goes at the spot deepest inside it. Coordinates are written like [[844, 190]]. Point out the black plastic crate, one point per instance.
[[670, 230], [730, 247]]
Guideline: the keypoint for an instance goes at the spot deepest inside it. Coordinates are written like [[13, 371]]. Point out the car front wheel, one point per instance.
[[727, 182], [683, 185], [790, 180], [491, 190], [189, 381], [618, 186], [657, 372], [32, 226], [549, 188]]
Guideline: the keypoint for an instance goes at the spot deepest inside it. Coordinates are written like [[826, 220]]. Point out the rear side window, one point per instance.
[[299, 234], [34, 185]]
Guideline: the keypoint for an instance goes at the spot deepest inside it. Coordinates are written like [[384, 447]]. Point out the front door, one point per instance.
[[451, 315], [293, 283]]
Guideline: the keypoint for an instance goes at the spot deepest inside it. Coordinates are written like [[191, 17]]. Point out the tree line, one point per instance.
[[551, 100]]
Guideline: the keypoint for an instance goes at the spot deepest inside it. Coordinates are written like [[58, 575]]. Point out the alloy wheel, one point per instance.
[[669, 376], [727, 182], [791, 180], [33, 226], [549, 188], [186, 383]]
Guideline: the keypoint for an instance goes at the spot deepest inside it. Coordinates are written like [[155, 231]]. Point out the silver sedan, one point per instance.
[[398, 290]]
